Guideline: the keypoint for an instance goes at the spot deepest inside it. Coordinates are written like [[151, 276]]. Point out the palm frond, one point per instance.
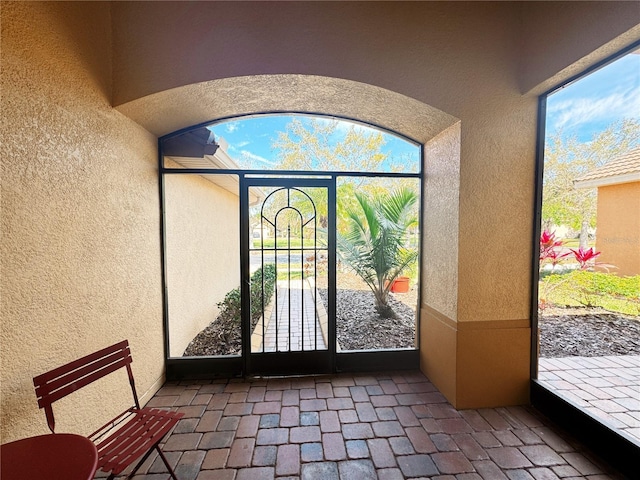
[[373, 244]]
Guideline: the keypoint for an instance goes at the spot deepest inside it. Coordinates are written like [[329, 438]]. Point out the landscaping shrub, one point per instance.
[[263, 281]]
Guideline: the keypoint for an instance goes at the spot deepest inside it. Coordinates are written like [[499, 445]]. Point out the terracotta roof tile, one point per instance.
[[623, 165]]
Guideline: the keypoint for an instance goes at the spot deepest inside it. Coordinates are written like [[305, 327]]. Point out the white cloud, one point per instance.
[[242, 144], [257, 158], [582, 110], [231, 127]]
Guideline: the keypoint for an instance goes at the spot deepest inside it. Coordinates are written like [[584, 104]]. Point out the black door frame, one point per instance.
[[290, 362], [178, 368]]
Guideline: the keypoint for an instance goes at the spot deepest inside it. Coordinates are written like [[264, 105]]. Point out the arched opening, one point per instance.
[[296, 263], [235, 98]]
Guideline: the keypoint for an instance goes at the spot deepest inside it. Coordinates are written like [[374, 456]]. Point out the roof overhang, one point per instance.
[[606, 181], [192, 151]]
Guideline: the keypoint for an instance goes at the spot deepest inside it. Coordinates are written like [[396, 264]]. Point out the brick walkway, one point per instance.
[[356, 427], [607, 387], [294, 320]]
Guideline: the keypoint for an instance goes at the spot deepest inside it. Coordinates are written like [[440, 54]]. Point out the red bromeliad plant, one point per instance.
[[554, 257], [548, 241], [550, 254], [584, 257], [548, 249]]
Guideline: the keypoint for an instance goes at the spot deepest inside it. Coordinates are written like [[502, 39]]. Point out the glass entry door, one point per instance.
[[288, 259]]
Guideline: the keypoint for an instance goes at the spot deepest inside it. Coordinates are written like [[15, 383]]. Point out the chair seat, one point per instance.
[[141, 430], [130, 436]]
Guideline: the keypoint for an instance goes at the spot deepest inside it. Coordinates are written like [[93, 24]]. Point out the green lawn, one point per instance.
[[575, 243], [592, 289], [282, 243]]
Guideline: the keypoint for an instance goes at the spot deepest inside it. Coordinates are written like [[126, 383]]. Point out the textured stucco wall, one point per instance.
[[618, 227], [171, 110], [203, 254], [80, 217], [561, 39], [382, 43], [440, 222], [461, 58]]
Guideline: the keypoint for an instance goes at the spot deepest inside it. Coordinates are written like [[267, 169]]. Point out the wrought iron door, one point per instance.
[[288, 271]]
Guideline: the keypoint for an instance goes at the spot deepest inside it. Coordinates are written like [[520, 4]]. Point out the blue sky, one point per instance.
[[589, 105], [253, 137]]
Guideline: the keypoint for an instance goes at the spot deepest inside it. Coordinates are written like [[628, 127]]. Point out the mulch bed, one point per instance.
[[360, 327], [587, 332], [564, 332], [221, 337]]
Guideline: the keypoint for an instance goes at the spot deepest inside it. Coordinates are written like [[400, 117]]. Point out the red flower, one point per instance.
[[555, 256]]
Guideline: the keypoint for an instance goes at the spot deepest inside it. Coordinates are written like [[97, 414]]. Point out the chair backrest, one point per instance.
[[61, 381]]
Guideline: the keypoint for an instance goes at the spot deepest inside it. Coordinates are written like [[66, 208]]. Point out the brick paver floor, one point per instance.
[[357, 427], [607, 387]]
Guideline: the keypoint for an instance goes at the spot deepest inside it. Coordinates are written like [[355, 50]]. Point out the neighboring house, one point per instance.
[[261, 233], [618, 214]]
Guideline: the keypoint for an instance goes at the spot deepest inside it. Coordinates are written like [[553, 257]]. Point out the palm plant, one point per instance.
[[373, 244]]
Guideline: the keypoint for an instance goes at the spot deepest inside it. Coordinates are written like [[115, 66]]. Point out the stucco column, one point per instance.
[[475, 329]]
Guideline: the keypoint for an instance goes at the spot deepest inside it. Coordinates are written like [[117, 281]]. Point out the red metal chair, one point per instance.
[[135, 432]]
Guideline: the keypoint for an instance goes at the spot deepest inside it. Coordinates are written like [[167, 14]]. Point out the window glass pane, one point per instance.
[[377, 271], [203, 264], [292, 142], [589, 288]]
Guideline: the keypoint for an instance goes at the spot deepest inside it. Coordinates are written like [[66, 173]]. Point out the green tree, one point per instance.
[[318, 144], [315, 144], [374, 242], [567, 159]]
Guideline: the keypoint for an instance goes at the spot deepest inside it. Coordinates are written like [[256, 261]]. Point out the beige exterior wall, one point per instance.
[[80, 218], [562, 39], [203, 254], [618, 234], [439, 283], [80, 212]]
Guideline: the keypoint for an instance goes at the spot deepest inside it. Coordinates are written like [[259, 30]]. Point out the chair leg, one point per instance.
[[139, 464], [164, 459]]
